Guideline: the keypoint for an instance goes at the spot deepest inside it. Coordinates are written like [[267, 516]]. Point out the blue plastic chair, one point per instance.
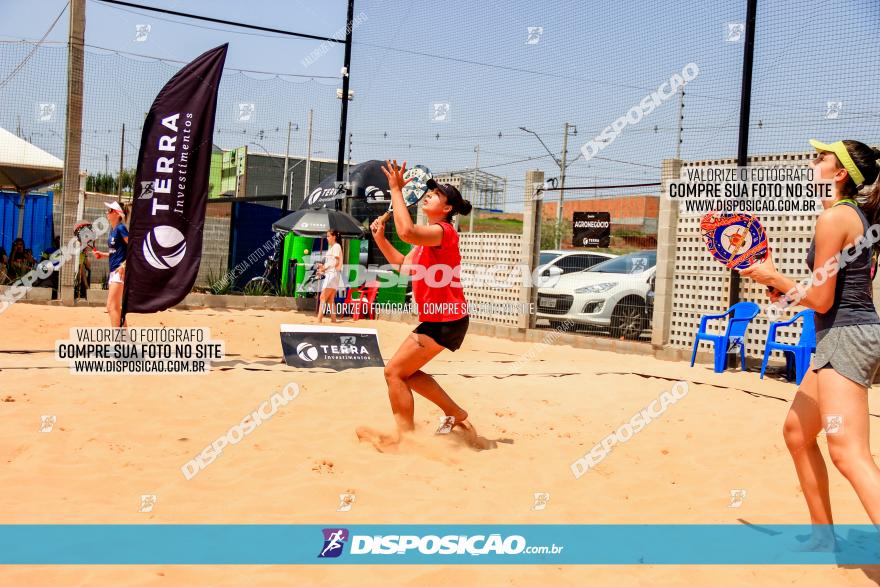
[[797, 356], [743, 313]]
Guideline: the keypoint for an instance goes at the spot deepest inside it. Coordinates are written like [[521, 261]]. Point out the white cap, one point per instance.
[[115, 207]]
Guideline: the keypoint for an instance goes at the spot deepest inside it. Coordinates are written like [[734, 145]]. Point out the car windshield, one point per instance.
[[547, 257], [631, 263]]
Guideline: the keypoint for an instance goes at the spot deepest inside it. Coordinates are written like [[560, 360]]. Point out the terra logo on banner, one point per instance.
[[330, 347], [168, 212], [164, 247], [306, 351]]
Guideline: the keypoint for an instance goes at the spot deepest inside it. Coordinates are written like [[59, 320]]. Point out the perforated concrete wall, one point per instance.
[[501, 253], [700, 284]]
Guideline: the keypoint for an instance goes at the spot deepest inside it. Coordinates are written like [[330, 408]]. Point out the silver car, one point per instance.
[[611, 295]]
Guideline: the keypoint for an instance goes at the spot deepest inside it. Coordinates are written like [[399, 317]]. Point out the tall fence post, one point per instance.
[[73, 134], [530, 251], [667, 228]]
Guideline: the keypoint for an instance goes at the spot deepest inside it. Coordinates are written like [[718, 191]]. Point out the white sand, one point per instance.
[[117, 438]]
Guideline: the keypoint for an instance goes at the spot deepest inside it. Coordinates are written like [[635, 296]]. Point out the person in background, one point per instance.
[[83, 276], [4, 259], [45, 260], [330, 269], [56, 244], [15, 267], [117, 245]]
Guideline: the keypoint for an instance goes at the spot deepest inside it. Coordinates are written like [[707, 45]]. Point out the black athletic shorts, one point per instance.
[[449, 335]]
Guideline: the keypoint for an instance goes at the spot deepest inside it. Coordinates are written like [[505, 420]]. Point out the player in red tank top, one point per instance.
[[435, 263]]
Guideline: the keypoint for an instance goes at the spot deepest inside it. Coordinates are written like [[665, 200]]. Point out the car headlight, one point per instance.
[[597, 288]]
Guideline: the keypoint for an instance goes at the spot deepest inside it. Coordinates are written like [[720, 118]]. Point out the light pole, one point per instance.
[[289, 182], [307, 184], [345, 95], [563, 165], [290, 127], [284, 173], [562, 187]]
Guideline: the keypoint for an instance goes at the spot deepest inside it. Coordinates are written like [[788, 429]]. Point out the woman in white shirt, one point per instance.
[[330, 269]]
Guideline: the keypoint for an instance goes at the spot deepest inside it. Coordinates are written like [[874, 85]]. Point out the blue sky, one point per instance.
[[592, 62]]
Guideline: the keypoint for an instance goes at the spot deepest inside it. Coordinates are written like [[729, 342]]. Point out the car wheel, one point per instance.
[[628, 319]]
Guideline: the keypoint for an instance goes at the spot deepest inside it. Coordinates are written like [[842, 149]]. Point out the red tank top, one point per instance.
[[437, 302]]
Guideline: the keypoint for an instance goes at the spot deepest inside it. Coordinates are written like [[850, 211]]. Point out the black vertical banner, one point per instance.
[[171, 188]]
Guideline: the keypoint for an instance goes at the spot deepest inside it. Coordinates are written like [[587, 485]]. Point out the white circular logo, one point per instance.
[[164, 247], [315, 195], [374, 193], [306, 351]]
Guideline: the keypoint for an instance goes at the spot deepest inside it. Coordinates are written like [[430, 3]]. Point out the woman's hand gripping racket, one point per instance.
[[737, 241], [413, 183]]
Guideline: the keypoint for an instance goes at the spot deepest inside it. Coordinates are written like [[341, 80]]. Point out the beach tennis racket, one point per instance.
[[415, 190], [735, 240], [79, 231]]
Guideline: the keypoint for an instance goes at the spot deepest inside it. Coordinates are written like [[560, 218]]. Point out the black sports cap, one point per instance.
[[453, 196]]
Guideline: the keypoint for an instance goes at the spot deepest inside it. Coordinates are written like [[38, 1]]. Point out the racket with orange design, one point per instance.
[[735, 240]]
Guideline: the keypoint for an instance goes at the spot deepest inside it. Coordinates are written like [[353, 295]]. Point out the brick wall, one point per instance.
[[631, 211], [215, 247]]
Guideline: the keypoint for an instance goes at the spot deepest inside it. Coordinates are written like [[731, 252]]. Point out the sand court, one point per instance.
[[117, 439]]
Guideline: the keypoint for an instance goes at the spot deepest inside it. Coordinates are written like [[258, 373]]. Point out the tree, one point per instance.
[[107, 184], [549, 233]]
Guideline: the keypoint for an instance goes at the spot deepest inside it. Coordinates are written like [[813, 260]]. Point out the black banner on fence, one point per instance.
[[591, 229], [330, 347], [171, 187]]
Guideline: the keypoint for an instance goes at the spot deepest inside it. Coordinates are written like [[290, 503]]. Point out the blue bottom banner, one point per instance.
[[266, 544]]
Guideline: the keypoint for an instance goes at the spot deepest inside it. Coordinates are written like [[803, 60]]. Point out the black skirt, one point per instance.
[[449, 335]]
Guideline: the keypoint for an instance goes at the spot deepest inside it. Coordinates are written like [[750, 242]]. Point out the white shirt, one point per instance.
[[333, 258]]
